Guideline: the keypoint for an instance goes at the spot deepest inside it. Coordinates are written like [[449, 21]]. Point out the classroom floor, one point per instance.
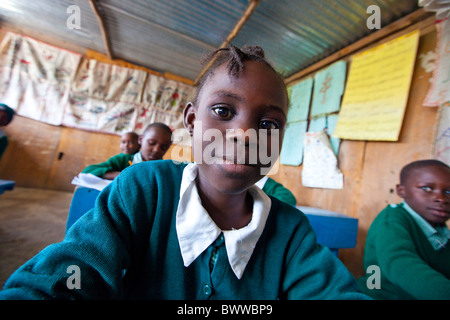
[[30, 220]]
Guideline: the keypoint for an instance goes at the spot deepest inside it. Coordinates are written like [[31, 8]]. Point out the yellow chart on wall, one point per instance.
[[377, 91]]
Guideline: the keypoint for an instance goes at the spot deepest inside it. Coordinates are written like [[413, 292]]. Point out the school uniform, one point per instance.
[[149, 237], [115, 163], [412, 256], [277, 190]]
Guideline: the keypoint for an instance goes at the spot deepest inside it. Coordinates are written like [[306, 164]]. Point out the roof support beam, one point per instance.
[[105, 37], [250, 9]]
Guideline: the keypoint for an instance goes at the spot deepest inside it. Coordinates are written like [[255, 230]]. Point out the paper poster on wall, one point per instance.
[[300, 98], [439, 91], [377, 91], [104, 97], [320, 168], [441, 146], [163, 101], [329, 86], [35, 77], [327, 123], [292, 149]]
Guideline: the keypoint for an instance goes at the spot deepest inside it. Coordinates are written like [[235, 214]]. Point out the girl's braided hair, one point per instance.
[[235, 58]]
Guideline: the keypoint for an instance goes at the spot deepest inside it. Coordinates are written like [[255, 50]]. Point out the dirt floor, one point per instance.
[[30, 220]]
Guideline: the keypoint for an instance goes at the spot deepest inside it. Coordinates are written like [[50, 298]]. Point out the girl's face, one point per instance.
[[255, 100], [427, 192]]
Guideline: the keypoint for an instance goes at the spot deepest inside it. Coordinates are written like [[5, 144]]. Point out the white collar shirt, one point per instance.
[[196, 230]]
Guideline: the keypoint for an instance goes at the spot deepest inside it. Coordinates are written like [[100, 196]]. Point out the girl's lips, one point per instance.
[[232, 167]]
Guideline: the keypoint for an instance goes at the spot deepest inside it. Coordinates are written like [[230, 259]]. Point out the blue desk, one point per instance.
[[83, 200], [334, 230], [6, 185]]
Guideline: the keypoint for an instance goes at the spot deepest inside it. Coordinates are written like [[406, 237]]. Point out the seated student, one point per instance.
[[277, 190], [129, 143], [155, 141], [6, 116], [409, 242], [168, 230]]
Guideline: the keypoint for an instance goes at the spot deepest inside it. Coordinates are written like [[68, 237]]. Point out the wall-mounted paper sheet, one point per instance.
[[35, 77], [329, 123], [320, 168], [439, 91], [377, 91], [329, 86], [292, 150], [442, 142], [300, 98]]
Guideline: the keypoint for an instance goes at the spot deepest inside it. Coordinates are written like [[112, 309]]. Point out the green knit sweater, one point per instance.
[[127, 248], [409, 266], [277, 190], [115, 163]]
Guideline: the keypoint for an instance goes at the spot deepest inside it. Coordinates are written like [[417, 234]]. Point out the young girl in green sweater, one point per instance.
[[203, 230]]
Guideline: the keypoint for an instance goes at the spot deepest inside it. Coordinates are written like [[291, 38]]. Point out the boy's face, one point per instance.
[[129, 144], [427, 192], [255, 100], [155, 143]]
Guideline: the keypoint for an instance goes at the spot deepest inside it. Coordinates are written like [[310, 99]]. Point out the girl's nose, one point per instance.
[[242, 136]]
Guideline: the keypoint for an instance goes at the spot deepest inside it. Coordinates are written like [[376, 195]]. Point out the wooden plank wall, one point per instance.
[[45, 156]]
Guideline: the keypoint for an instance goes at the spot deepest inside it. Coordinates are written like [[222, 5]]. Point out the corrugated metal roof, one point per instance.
[[172, 35]]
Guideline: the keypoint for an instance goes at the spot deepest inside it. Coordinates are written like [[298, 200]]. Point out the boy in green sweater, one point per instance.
[[409, 243], [154, 142], [203, 230]]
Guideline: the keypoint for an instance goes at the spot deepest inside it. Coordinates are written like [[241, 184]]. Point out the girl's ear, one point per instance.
[[189, 117], [400, 191]]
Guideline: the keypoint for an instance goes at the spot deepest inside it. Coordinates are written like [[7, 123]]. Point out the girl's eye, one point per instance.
[[268, 125], [426, 188], [223, 112]]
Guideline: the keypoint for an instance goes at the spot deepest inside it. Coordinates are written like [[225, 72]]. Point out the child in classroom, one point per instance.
[[200, 230], [409, 242], [154, 142], [6, 116], [129, 142]]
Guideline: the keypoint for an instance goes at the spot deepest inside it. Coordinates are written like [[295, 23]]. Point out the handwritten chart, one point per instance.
[[377, 91], [442, 142], [300, 99], [328, 89], [440, 87], [292, 149]]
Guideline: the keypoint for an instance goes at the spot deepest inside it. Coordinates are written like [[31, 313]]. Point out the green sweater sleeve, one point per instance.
[[115, 163], [277, 190]]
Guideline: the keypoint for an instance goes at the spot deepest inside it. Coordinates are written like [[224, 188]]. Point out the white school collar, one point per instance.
[[197, 231]]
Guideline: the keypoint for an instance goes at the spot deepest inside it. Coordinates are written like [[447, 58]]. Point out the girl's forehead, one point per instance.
[[255, 76]]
